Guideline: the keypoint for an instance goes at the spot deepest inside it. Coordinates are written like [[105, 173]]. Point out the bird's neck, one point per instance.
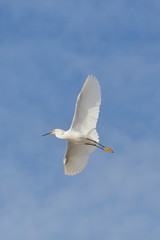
[[60, 134]]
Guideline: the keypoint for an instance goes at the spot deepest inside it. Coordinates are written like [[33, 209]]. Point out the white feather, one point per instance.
[[87, 106], [76, 157], [84, 121]]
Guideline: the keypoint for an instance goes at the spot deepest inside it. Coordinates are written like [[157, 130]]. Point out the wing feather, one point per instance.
[[76, 157], [87, 106]]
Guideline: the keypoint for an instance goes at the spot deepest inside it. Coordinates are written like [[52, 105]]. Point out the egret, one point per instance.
[[82, 135]]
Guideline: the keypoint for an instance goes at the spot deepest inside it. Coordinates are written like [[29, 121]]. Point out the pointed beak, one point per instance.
[[52, 132]]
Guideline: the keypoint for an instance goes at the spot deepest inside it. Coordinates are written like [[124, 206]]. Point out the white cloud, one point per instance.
[[117, 196], [115, 192]]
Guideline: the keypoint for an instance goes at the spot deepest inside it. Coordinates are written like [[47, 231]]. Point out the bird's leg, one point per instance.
[[97, 144], [94, 145]]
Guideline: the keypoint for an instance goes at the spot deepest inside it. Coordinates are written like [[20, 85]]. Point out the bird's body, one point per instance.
[[82, 136], [72, 136], [69, 135]]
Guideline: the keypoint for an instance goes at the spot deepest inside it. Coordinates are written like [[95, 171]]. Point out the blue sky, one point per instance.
[[47, 49]]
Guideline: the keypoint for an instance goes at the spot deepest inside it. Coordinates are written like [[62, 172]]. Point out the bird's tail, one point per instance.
[[93, 134]]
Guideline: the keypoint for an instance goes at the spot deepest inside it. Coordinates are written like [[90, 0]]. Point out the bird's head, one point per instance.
[[57, 132]]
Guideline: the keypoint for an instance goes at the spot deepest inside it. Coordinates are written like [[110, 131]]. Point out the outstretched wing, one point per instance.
[[87, 106], [76, 157]]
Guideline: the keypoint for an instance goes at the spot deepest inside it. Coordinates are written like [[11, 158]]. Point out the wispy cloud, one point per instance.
[[115, 192], [47, 49]]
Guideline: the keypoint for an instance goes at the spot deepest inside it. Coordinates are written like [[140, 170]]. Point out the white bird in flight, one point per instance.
[[82, 136]]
